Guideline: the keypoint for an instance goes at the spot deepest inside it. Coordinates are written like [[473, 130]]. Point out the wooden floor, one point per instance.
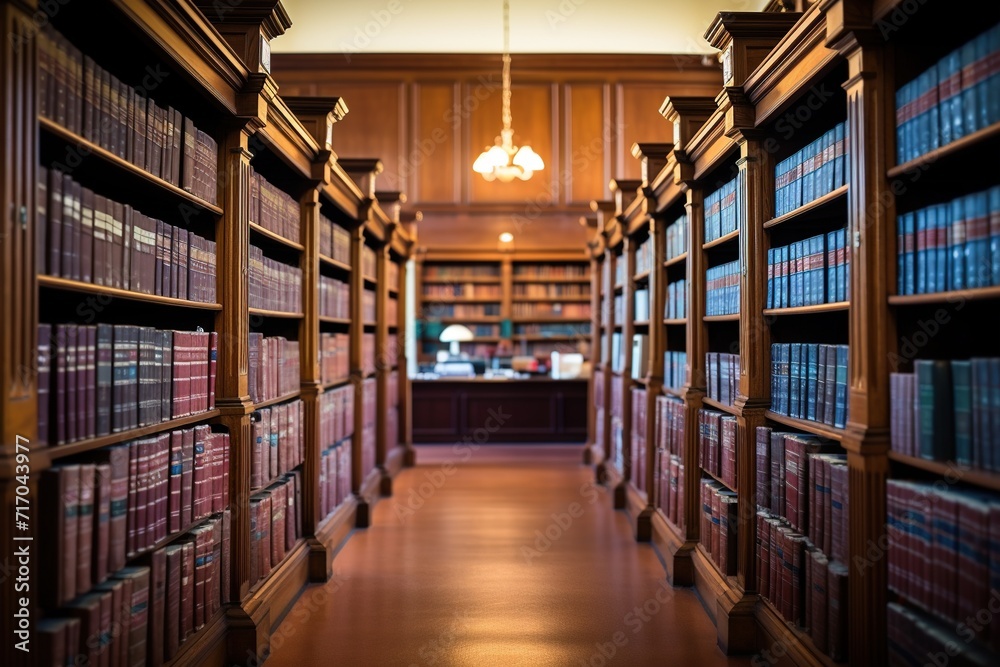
[[454, 572]]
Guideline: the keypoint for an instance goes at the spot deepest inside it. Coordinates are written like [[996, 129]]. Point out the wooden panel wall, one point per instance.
[[427, 117]]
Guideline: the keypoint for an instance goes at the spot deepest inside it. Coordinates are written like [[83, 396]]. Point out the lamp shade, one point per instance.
[[456, 333], [528, 159]]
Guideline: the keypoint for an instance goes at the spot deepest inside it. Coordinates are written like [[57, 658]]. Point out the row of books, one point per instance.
[[390, 354], [368, 359], [722, 212], [273, 368], [369, 263], [543, 291], [722, 370], [464, 310], [392, 311], [676, 308], [809, 381], [81, 96], [334, 241], [459, 272], [810, 272], [275, 520], [717, 445], [641, 305], [955, 97], [575, 310], [334, 298], [599, 392], [278, 437], [336, 415], [621, 270], [272, 208], [552, 329], [719, 525], [98, 379], [803, 479], [274, 285], [93, 239], [368, 306], [677, 237], [913, 636], [392, 412], [369, 415], [334, 356], [465, 291], [948, 411], [644, 256], [638, 439], [950, 246], [550, 271], [671, 489], [811, 172], [674, 369], [722, 291], [617, 422], [944, 551], [142, 615], [619, 305], [805, 587], [126, 500], [334, 477]]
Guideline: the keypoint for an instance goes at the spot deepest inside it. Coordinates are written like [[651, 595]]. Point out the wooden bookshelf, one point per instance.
[[807, 426], [223, 88], [802, 211], [950, 470], [956, 148], [835, 307], [952, 297]]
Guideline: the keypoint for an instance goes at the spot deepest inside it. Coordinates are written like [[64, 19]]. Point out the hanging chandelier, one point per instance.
[[504, 161]]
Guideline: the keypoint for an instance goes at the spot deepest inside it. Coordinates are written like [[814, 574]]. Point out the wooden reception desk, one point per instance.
[[541, 409]]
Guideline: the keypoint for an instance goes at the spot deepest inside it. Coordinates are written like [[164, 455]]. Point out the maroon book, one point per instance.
[[72, 413], [187, 478], [86, 233], [203, 549], [51, 644], [182, 259], [166, 343], [255, 537], [142, 515], [117, 246], [104, 378], [70, 263], [279, 502], [763, 556], [55, 222], [225, 565], [60, 497], [102, 521], [133, 499], [87, 609], [157, 602], [176, 469], [87, 337], [172, 606], [139, 607], [213, 355], [163, 484], [187, 590], [45, 341], [214, 597], [116, 646], [201, 472], [818, 599], [264, 529], [837, 611]]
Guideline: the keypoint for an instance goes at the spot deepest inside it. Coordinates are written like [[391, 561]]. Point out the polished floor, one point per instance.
[[499, 557]]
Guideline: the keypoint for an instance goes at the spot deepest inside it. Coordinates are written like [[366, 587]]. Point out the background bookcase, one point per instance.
[[208, 74], [777, 65], [528, 303]]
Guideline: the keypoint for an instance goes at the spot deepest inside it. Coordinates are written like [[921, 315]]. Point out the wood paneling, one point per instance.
[[638, 111], [376, 105], [429, 160], [587, 163]]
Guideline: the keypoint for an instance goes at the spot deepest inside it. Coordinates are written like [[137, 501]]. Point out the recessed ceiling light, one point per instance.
[[506, 237]]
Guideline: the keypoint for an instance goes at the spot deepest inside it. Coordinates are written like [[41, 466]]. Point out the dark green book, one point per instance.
[[961, 383], [935, 431]]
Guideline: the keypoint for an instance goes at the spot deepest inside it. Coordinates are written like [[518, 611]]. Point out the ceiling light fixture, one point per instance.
[[506, 237], [504, 161]]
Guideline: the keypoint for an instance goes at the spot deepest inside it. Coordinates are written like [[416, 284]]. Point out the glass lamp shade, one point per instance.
[[528, 160], [456, 333], [490, 160]]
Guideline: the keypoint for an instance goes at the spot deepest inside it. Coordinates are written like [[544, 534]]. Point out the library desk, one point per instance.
[[539, 409]]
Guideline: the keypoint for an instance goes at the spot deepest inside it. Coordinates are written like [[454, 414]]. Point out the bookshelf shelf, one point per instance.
[[734, 317], [673, 391], [463, 299], [335, 383], [641, 381], [275, 314], [275, 238], [469, 280], [487, 319], [717, 478], [674, 261], [776, 626], [722, 240], [951, 470], [172, 537], [276, 478], [550, 299], [280, 399], [716, 405], [822, 430], [640, 323], [61, 133], [675, 322], [641, 277], [51, 282], [555, 281], [543, 337], [804, 210], [56, 452], [955, 148], [333, 263], [953, 297], [369, 281], [343, 321], [548, 319], [295, 553], [838, 306]]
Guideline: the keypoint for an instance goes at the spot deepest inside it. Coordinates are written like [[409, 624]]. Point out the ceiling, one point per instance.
[[475, 26]]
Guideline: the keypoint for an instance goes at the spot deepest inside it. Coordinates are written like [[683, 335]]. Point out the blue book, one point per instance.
[[950, 96], [795, 196], [935, 429], [798, 289], [812, 380], [809, 173], [922, 262], [840, 416], [993, 83], [933, 266], [970, 91], [923, 135], [957, 245], [932, 114], [819, 269], [826, 171], [831, 266], [838, 155], [770, 278], [981, 402], [984, 66], [961, 384], [775, 365], [779, 172], [979, 248], [992, 458], [902, 154], [943, 256], [994, 206], [793, 375]]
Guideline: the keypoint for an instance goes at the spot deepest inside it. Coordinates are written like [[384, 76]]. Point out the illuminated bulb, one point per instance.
[[506, 237]]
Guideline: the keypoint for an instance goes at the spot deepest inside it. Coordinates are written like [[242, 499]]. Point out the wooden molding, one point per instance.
[[745, 39]]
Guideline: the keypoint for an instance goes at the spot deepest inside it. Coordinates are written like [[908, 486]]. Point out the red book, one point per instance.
[[175, 477], [87, 338], [117, 461], [213, 595], [104, 378], [60, 497], [763, 556], [45, 341], [796, 544], [163, 482], [837, 611], [212, 363], [51, 634], [116, 641], [202, 572], [172, 605], [157, 609], [86, 233], [139, 608], [102, 521], [264, 530], [225, 564], [187, 590], [279, 503], [72, 413], [944, 569], [187, 477], [255, 538], [201, 472], [818, 599], [143, 521], [973, 555], [87, 609]]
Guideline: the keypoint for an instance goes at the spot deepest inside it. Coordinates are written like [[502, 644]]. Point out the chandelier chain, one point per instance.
[[506, 65]]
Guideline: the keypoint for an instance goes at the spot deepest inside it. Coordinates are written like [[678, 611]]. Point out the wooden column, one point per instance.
[[357, 373], [657, 346], [871, 224], [628, 329], [697, 345], [382, 370]]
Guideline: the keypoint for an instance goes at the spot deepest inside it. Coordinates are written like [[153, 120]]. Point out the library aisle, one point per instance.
[[453, 571]]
